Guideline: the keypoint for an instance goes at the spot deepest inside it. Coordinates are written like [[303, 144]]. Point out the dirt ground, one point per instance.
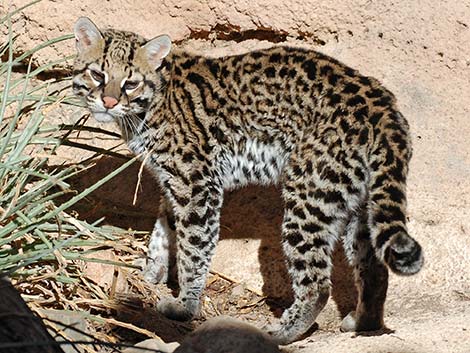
[[420, 51]]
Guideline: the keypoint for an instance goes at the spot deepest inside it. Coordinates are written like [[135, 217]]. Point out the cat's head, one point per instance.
[[117, 72]]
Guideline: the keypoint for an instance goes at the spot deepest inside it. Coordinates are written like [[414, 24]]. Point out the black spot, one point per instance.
[[364, 80], [310, 68], [359, 173], [214, 67], [335, 99], [256, 55], [270, 71], [375, 93], [351, 88], [356, 100], [318, 214], [333, 79], [364, 136], [290, 204], [178, 70], [394, 213], [197, 175], [218, 134], [224, 71], [304, 248], [236, 60], [319, 242], [361, 114], [389, 157], [394, 193], [350, 72], [291, 226], [330, 196], [299, 265], [344, 125], [383, 102], [399, 140], [195, 78], [311, 228], [331, 175], [193, 219], [188, 157], [297, 171], [379, 181], [309, 167], [292, 73], [306, 281], [194, 240], [324, 70], [283, 72], [188, 63], [397, 173], [275, 58], [299, 212], [181, 200], [294, 238], [375, 118], [197, 189], [319, 264]]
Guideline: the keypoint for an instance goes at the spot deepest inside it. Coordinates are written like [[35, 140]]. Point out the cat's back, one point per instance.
[[279, 92], [288, 78]]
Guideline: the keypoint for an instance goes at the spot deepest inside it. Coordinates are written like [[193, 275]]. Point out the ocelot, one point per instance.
[[333, 140]]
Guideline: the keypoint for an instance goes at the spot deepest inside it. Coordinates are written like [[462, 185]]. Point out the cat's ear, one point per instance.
[[157, 49], [87, 35]]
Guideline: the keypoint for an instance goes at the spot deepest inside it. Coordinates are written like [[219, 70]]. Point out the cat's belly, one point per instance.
[[254, 163]]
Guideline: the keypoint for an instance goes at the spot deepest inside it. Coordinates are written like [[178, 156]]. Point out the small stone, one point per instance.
[[153, 344]]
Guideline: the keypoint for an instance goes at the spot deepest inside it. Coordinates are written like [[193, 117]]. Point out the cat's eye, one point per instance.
[[131, 85], [97, 76]]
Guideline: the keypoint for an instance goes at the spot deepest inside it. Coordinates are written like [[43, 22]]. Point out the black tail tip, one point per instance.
[[404, 255]]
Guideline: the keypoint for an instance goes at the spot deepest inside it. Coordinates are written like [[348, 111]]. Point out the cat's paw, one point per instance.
[[351, 323], [278, 334], [155, 271], [177, 309]]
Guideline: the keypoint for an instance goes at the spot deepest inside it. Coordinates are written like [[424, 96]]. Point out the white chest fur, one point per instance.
[[254, 162]]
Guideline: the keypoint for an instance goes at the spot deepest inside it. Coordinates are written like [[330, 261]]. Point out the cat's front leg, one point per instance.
[[162, 247], [197, 217]]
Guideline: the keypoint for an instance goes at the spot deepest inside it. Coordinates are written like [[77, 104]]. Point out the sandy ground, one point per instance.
[[419, 50]]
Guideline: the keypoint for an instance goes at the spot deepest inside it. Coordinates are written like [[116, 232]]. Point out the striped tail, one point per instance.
[[387, 198]]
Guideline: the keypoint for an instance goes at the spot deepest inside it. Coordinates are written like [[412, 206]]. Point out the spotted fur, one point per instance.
[[333, 139]]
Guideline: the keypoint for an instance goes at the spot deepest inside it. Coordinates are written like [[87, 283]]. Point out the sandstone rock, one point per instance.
[[226, 335]]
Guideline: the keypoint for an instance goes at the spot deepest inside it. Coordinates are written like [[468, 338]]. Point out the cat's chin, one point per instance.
[[103, 117]]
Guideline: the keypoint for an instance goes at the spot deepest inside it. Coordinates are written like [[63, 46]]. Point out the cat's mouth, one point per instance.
[[103, 117]]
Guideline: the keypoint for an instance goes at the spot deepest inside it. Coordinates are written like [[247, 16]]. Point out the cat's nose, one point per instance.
[[109, 102]]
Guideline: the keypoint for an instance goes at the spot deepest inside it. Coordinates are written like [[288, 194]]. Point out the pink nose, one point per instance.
[[109, 102]]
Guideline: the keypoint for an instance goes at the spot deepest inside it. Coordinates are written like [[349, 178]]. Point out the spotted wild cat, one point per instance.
[[333, 139]]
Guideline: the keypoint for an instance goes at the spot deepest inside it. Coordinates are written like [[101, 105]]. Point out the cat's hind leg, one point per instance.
[[371, 277]]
